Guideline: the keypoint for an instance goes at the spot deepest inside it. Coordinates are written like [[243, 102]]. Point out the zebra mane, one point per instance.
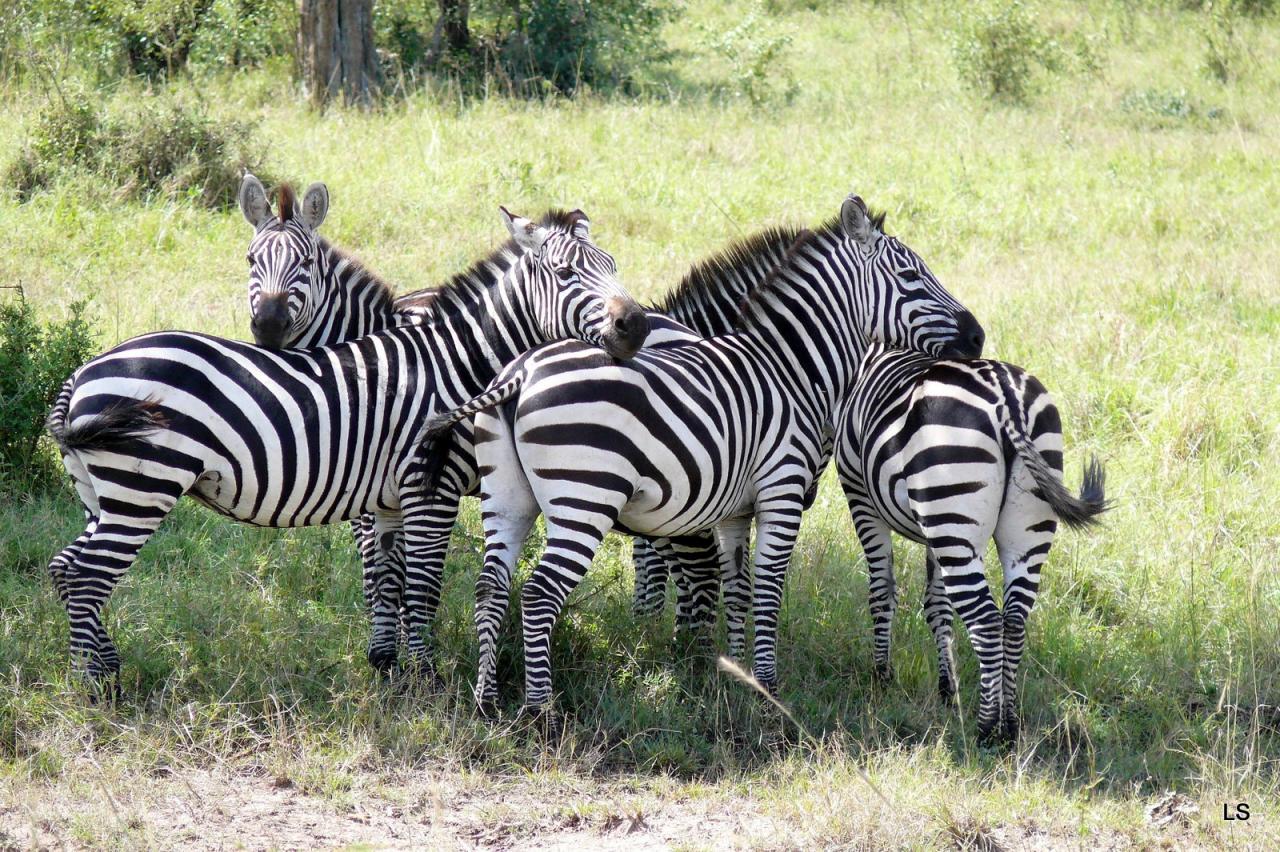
[[707, 282], [480, 274], [355, 272]]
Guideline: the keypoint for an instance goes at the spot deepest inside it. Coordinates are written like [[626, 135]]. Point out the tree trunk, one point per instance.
[[335, 51], [451, 33]]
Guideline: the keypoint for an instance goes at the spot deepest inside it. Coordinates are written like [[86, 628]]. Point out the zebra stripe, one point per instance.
[[950, 453], [686, 436], [303, 437]]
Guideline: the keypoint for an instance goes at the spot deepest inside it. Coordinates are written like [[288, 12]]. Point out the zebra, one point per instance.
[[305, 292], [684, 437], [949, 453], [307, 437]]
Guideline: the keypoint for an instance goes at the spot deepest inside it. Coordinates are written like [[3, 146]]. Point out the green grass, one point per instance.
[[1125, 255]]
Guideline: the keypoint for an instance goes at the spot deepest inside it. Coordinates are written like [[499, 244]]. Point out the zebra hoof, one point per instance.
[[419, 675], [383, 660], [543, 719], [883, 673], [946, 689], [993, 736], [1010, 730], [102, 689]]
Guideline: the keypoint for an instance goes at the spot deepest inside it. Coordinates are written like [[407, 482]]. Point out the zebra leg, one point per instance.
[[736, 580], [1024, 534], [60, 564], [573, 537], [940, 617], [961, 567], [428, 522], [777, 525], [651, 577], [111, 548], [698, 557], [877, 547], [384, 588], [505, 532]]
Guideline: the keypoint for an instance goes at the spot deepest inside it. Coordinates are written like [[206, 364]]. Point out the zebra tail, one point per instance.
[[117, 429], [438, 437], [1076, 512], [497, 393]]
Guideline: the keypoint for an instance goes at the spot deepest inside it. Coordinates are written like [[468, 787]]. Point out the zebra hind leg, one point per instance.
[[940, 617], [735, 577], [504, 536], [698, 558], [651, 578], [110, 549], [573, 537], [1024, 534]]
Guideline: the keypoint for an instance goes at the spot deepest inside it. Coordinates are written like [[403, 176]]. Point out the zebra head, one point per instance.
[[912, 310], [573, 288], [284, 255]]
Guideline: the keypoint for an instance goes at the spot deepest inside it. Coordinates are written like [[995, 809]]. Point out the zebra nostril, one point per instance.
[[620, 325]]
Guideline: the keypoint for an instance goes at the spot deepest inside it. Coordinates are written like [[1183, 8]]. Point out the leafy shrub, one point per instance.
[[1165, 108], [756, 57], [35, 359], [1000, 49], [158, 148]]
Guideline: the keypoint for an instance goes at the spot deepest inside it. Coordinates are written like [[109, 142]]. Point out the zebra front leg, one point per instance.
[[379, 555], [651, 578], [735, 578], [777, 525], [877, 548], [940, 617], [385, 586]]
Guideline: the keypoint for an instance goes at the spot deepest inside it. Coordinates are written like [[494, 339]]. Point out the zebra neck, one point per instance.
[[808, 333], [483, 320], [355, 303]]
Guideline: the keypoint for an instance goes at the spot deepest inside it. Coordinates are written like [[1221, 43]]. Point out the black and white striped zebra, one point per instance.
[[305, 437], [685, 437], [305, 292], [949, 453]]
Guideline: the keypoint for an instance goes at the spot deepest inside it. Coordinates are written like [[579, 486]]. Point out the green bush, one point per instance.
[[35, 359], [160, 147], [1001, 49], [756, 57]]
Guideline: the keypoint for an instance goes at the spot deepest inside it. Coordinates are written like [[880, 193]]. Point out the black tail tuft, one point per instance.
[[1083, 511], [117, 429], [432, 452]]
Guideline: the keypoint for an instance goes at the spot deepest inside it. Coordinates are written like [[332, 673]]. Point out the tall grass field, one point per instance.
[[1115, 227]]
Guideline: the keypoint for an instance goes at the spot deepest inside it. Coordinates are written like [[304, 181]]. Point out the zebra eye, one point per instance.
[[565, 273], [909, 275]]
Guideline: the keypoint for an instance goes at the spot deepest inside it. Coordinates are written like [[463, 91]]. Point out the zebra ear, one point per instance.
[[581, 226], [527, 235], [315, 205], [253, 201], [856, 223]]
